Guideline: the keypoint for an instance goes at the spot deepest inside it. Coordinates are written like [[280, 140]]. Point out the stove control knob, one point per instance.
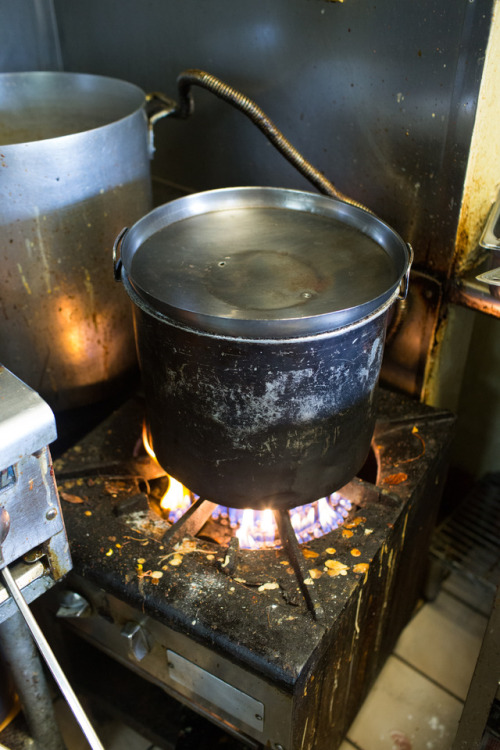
[[137, 638], [72, 604]]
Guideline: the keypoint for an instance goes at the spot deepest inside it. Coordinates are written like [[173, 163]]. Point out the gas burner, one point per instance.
[[254, 529], [264, 642]]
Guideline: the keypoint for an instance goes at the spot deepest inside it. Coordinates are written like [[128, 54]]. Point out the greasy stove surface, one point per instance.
[[246, 606]]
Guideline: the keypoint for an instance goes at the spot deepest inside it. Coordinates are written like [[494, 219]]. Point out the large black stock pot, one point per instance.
[[260, 317]]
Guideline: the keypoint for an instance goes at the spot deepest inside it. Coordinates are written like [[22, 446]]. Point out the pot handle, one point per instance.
[[158, 106], [405, 281], [117, 256]]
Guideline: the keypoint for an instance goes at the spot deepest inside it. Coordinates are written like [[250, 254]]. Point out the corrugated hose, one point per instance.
[[227, 93]]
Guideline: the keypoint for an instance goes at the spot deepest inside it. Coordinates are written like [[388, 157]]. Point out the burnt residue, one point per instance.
[[282, 421], [366, 574]]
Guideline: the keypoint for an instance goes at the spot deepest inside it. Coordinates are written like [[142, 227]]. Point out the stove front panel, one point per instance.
[[233, 697]]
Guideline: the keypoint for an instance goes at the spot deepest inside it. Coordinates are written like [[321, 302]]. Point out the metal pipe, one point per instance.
[[52, 662], [22, 659]]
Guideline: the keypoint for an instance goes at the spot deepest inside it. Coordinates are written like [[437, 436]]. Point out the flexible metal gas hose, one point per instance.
[[207, 81]]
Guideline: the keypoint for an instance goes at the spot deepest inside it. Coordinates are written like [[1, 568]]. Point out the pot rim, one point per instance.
[[39, 83], [261, 328], [162, 317]]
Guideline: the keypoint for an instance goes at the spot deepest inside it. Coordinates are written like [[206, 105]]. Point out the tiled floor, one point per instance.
[[418, 697], [417, 700]]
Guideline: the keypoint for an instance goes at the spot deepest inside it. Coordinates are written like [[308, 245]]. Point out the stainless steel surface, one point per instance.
[[25, 666], [4, 529], [474, 294], [259, 422], [490, 238], [26, 421], [371, 95], [33, 579], [31, 522], [490, 241], [263, 262], [479, 288], [28, 496], [75, 157], [33, 506], [195, 683], [24, 574], [103, 629], [490, 277], [51, 661]]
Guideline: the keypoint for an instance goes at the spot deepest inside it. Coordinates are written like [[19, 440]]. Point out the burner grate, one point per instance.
[[469, 540]]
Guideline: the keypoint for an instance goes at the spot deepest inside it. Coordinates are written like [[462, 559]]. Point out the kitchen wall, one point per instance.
[[380, 95], [28, 36]]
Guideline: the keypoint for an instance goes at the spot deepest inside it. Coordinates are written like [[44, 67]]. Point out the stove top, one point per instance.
[[229, 631]]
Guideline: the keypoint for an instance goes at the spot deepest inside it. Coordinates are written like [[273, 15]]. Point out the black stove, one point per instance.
[[233, 634]]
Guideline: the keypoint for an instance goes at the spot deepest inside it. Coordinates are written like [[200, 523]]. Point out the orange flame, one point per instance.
[[147, 443], [256, 529], [177, 497]]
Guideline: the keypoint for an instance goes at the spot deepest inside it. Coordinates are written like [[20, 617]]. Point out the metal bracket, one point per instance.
[[292, 548], [191, 522], [405, 281], [117, 260]]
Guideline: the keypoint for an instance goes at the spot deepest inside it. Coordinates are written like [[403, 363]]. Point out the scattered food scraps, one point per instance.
[[394, 479], [355, 552], [315, 573], [75, 499], [361, 568], [335, 568], [187, 545], [347, 534], [309, 553], [269, 586]]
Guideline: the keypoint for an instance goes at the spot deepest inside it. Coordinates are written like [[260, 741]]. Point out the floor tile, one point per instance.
[[407, 711], [443, 642]]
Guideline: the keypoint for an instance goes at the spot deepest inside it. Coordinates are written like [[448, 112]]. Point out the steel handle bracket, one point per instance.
[[158, 106], [490, 277], [117, 258], [405, 281]]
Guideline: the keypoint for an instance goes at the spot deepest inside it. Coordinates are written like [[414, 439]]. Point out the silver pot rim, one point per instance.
[[295, 322], [42, 99]]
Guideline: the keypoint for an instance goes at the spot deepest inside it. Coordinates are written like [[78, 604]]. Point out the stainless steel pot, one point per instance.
[[74, 166], [260, 319]]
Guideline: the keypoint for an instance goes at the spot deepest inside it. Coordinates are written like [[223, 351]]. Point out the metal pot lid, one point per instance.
[[263, 262]]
